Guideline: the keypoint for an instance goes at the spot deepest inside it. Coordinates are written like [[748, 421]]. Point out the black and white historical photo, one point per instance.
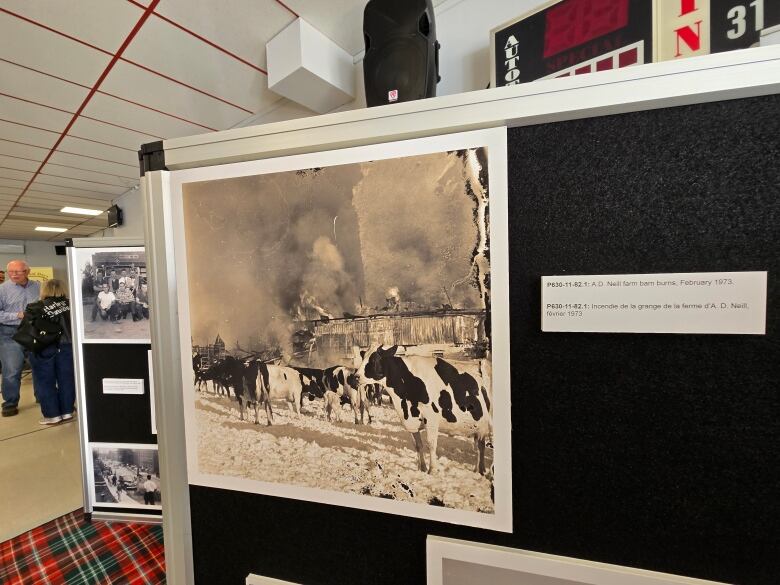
[[340, 324], [126, 476], [114, 293]]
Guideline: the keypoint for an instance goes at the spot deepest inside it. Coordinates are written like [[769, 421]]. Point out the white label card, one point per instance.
[[123, 386], [694, 302]]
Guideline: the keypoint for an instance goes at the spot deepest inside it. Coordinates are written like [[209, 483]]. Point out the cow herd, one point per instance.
[[427, 393]]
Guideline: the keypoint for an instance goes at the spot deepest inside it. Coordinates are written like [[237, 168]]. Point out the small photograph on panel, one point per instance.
[[114, 295], [125, 475], [340, 320]]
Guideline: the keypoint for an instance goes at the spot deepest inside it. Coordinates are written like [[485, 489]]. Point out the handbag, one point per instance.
[[36, 332]]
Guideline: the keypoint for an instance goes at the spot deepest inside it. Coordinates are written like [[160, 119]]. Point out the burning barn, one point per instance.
[[433, 332]]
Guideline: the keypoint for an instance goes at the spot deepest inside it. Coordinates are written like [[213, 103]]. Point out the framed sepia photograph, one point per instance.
[[111, 300], [459, 562], [344, 326], [125, 476]]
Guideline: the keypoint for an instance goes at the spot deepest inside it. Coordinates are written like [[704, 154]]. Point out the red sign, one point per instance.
[[575, 22]]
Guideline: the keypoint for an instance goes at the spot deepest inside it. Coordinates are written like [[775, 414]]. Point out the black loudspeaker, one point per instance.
[[401, 63], [59, 250]]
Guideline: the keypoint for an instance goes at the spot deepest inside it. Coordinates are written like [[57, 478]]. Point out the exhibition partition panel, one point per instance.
[[363, 258], [115, 387]]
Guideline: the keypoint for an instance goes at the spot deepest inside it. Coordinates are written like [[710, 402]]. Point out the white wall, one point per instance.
[[463, 29], [38, 253], [132, 206]]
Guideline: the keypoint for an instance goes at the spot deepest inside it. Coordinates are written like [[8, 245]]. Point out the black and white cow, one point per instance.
[[338, 382], [242, 377], [429, 393]]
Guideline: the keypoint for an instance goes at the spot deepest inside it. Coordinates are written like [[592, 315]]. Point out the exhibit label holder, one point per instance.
[[294, 257], [110, 312], [457, 562]]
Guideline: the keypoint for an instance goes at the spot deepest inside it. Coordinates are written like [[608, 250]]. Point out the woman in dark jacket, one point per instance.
[[52, 367]]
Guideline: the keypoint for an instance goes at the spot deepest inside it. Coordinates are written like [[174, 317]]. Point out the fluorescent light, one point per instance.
[[43, 228], [81, 211]]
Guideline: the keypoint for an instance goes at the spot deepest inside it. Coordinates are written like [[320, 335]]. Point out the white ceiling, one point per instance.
[[84, 83]]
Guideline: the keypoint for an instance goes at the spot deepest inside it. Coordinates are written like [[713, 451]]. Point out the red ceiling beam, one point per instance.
[[203, 39], [126, 43], [42, 105], [111, 95], [115, 162], [117, 57]]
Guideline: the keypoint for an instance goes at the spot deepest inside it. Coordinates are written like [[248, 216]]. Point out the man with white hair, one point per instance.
[[15, 294]]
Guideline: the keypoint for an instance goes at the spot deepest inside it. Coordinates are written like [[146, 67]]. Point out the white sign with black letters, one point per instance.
[[697, 302], [123, 386]]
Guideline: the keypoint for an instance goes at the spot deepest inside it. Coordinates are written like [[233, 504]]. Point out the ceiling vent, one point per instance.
[[308, 68]]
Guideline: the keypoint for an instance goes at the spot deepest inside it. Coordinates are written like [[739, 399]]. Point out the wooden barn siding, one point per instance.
[[446, 329]]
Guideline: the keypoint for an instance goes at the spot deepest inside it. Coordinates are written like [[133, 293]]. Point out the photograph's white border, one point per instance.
[[151, 392], [495, 141], [78, 300], [543, 565], [91, 474], [253, 579]]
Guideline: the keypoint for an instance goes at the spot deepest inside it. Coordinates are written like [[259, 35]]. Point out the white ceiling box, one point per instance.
[[18, 163], [329, 18], [49, 185], [216, 21], [94, 165], [33, 115], [103, 23], [156, 92], [107, 134], [115, 154], [61, 56], [167, 124], [175, 53], [37, 87], [18, 133], [59, 170], [22, 151]]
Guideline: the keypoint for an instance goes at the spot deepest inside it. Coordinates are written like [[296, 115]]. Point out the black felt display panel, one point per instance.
[[117, 418], [652, 451]]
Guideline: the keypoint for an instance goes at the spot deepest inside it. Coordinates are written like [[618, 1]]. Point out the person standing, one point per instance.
[[15, 294], [54, 379], [149, 488]]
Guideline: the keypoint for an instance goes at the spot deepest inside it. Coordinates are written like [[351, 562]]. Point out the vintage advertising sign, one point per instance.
[[573, 37], [686, 28]]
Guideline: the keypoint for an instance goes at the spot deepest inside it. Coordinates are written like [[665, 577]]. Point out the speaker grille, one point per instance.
[[400, 65]]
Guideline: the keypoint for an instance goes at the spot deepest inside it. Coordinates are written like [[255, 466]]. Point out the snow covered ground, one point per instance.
[[374, 460]]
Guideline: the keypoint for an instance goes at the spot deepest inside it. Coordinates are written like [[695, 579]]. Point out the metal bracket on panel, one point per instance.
[[151, 157]]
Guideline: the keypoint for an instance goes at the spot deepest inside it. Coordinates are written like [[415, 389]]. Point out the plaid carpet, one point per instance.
[[71, 551]]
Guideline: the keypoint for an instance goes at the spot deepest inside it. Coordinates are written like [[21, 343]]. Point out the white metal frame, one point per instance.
[[527, 563], [724, 76]]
